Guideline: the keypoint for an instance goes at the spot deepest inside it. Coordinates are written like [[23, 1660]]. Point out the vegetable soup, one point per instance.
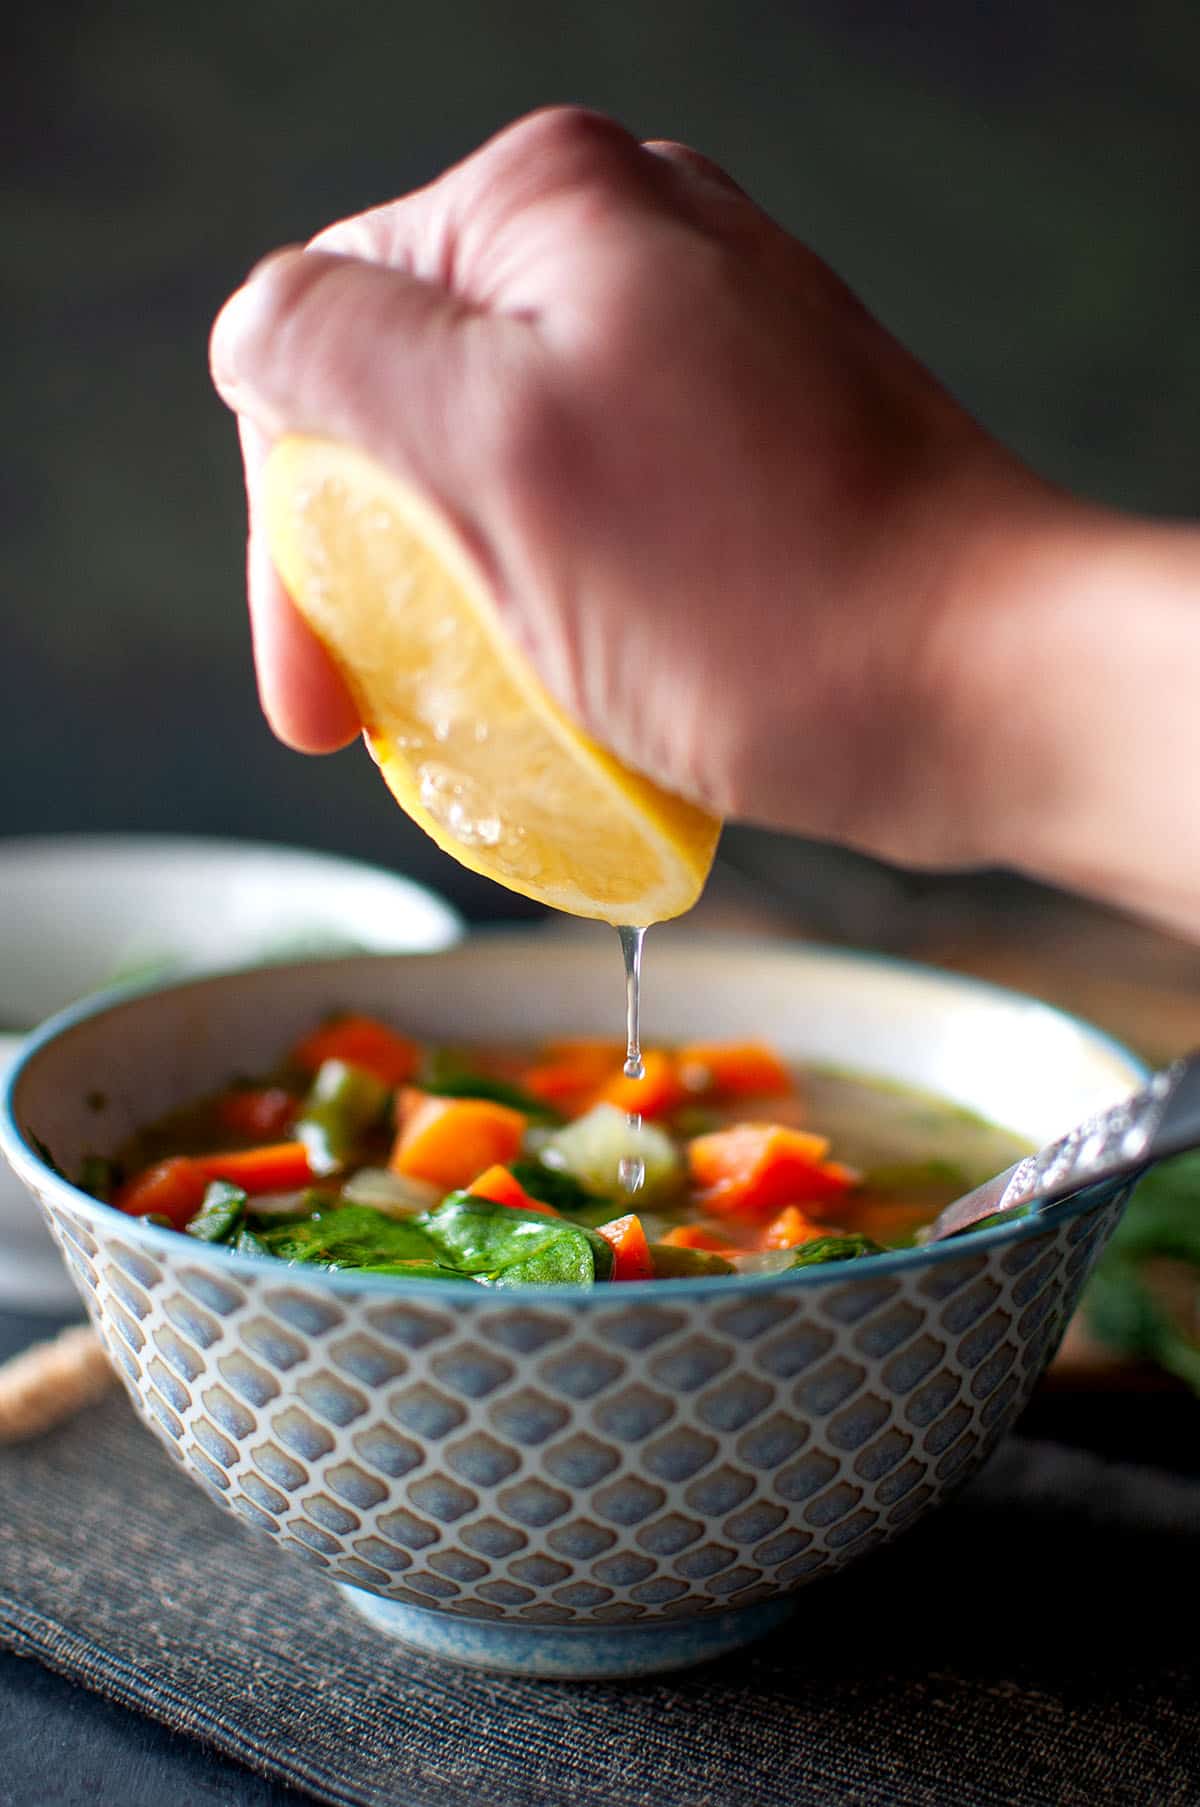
[[365, 1150]]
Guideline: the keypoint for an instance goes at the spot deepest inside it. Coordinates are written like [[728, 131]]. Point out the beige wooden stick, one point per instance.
[[50, 1382]]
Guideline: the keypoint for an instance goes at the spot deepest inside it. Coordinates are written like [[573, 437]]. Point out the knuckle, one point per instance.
[[570, 141]]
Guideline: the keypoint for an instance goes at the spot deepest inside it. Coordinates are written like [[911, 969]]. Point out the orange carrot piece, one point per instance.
[[363, 1042], [570, 1073], [601, 1053], [279, 1167], [502, 1188], [753, 1169], [448, 1141], [692, 1236], [656, 1094], [631, 1251], [733, 1070], [257, 1114], [790, 1229], [172, 1189], [564, 1088]]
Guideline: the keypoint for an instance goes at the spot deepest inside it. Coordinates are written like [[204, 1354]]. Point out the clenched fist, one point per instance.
[[744, 537]]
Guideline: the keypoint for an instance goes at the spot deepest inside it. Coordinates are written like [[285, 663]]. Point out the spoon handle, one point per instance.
[[1161, 1119]]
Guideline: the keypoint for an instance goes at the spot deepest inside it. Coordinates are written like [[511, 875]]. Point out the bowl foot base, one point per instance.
[[568, 1652]]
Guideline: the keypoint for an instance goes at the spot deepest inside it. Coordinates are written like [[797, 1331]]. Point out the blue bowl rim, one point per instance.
[[389, 1286]]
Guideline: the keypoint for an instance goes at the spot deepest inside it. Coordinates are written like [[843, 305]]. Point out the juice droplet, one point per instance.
[[631, 1169], [631, 1173], [631, 952]]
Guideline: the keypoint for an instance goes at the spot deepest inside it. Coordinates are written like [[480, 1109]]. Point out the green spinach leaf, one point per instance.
[[555, 1186], [486, 1239], [414, 1270], [348, 1236], [834, 1248], [671, 1263]]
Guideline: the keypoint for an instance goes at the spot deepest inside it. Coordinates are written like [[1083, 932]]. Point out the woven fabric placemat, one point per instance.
[[1031, 1644]]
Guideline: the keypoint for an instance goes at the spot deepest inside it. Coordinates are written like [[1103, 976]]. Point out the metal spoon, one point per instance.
[[1117, 1144]]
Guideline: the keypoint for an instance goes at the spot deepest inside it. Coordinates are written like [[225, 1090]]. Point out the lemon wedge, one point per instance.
[[464, 733]]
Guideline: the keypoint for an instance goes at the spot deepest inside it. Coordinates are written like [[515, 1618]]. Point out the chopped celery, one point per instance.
[[595, 1146], [343, 1103], [671, 1263], [395, 1194], [220, 1216]]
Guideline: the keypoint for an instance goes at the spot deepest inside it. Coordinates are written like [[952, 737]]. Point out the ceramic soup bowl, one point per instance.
[[574, 1482]]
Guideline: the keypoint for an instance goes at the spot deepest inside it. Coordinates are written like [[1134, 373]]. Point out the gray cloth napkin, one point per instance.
[[1031, 1644]]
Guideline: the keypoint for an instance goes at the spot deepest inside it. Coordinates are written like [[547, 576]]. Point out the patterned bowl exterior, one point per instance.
[[506, 1456]]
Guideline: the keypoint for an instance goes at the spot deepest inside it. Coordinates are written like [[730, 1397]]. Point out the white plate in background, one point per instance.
[[81, 912]]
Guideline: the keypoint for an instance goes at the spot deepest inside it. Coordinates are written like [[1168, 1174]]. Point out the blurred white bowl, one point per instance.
[[79, 913]]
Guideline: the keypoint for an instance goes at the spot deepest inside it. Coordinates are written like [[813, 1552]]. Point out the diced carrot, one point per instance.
[[790, 1229], [499, 1185], [279, 1167], [631, 1251], [257, 1114], [654, 1095], [565, 1088], [570, 1073], [733, 1070], [692, 1236], [448, 1141], [172, 1189], [600, 1052], [753, 1169], [363, 1042], [715, 1157]]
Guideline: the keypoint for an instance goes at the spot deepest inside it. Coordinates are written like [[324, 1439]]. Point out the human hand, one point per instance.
[[746, 539]]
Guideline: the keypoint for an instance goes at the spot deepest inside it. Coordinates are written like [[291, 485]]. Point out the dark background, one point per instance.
[[1012, 187]]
